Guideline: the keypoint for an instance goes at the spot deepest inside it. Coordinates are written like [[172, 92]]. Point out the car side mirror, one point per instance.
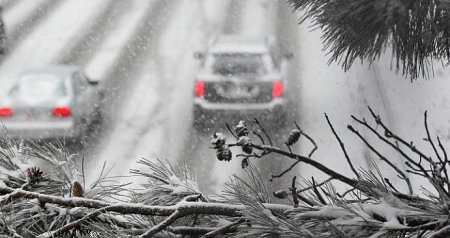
[[199, 55]]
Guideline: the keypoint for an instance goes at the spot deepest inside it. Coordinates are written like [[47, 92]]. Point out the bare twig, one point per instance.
[[316, 191], [309, 138], [342, 147], [384, 159], [290, 151], [425, 122], [444, 164], [294, 192], [256, 121]]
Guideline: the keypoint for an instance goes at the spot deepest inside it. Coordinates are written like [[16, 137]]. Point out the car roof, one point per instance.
[[57, 70], [240, 44]]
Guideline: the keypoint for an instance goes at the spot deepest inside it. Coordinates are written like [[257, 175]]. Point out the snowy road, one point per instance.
[[142, 52]]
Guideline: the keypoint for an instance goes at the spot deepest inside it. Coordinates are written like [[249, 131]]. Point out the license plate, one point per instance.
[[237, 91]]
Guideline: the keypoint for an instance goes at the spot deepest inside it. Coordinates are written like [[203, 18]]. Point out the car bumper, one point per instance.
[[62, 130], [272, 110]]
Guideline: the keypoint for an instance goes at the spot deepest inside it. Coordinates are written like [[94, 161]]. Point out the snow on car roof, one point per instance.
[[240, 44]]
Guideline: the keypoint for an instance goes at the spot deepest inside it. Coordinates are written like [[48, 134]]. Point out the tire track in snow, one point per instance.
[[81, 49], [233, 18], [21, 29], [211, 174], [133, 56], [118, 85]]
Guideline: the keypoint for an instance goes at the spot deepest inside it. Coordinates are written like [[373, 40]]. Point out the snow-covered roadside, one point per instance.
[[401, 104], [45, 43], [408, 102], [328, 89]]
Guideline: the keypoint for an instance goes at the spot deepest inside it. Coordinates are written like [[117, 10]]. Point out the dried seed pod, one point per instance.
[[244, 163], [77, 189], [241, 129], [34, 175], [224, 153], [294, 135], [280, 194], [218, 140], [246, 144]]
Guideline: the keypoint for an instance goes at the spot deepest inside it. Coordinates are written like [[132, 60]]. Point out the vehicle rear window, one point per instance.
[[39, 87], [230, 64]]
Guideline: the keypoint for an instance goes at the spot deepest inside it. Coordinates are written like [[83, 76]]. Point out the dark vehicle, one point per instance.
[[55, 102], [240, 75]]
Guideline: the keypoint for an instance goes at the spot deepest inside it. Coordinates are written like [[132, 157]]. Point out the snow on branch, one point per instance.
[[53, 202]]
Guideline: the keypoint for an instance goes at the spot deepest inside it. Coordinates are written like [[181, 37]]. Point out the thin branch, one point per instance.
[[444, 164], [290, 151], [425, 121], [161, 226], [384, 159], [231, 131], [256, 121], [306, 160], [286, 170], [224, 229], [342, 147], [390, 134], [319, 184], [316, 191], [309, 138], [396, 148], [294, 192]]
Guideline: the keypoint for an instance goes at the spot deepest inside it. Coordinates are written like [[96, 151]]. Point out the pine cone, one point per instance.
[[246, 144], [294, 135], [34, 175], [281, 194], [218, 140], [224, 153], [241, 129], [244, 163], [77, 190]]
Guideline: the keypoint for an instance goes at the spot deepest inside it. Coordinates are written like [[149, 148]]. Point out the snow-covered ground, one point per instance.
[[154, 117]]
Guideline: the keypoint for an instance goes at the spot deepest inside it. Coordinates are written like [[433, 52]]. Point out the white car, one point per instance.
[[240, 75], [55, 102]]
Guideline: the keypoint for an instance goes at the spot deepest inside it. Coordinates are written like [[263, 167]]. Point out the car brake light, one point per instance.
[[277, 88], [61, 111], [199, 88], [6, 112]]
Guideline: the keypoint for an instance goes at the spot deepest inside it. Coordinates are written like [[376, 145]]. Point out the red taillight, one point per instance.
[[61, 111], [277, 88], [6, 112], [199, 88]]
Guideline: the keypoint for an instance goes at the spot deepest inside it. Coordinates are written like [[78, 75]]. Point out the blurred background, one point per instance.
[[138, 59]]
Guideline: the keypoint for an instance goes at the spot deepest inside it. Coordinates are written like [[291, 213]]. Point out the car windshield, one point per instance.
[[39, 87], [230, 64]]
